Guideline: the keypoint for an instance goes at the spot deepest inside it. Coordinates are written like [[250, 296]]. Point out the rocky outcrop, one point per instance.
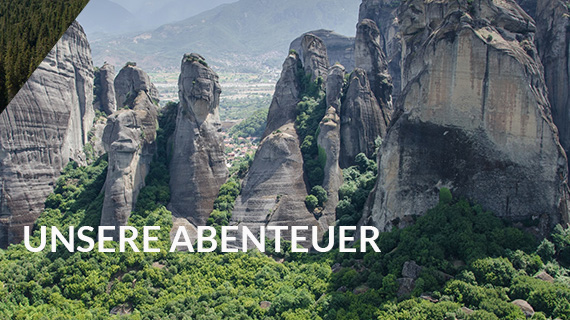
[[553, 41], [129, 140], [274, 190], [385, 14], [362, 121], [340, 49], [43, 127], [370, 57], [283, 107], [474, 117], [198, 167], [129, 82], [105, 89], [329, 140], [315, 58]]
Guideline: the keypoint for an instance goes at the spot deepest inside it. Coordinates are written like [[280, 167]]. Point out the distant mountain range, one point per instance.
[[104, 18], [248, 35]]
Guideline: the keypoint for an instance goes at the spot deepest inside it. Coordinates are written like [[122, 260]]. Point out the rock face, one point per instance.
[[129, 82], [105, 89], [198, 167], [553, 41], [129, 139], [385, 14], [340, 49], [53, 110], [283, 107], [474, 117], [362, 121], [274, 190], [315, 58], [370, 57], [329, 140]]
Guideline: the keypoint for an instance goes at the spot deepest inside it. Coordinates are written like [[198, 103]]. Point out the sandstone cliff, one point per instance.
[[198, 167], [129, 82], [340, 49], [105, 89], [315, 58], [474, 117], [44, 126], [329, 140], [274, 189], [129, 140], [283, 108], [385, 14], [553, 41], [362, 119]]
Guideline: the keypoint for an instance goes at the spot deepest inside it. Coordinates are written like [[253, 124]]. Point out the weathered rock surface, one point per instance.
[[315, 58], [370, 57], [475, 117], [198, 166], [553, 41], [525, 307], [385, 14], [43, 127], [340, 49], [105, 89], [283, 107], [129, 82], [129, 139], [361, 120], [274, 190], [329, 140]]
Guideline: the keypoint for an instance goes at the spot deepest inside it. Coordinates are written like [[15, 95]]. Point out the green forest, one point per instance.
[[29, 30]]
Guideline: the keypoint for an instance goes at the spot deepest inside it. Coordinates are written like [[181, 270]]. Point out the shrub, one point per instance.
[[445, 196], [311, 202], [320, 193]]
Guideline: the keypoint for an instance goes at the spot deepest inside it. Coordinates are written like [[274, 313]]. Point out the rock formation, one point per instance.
[[553, 41], [340, 49], [370, 57], [105, 89], [129, 82], [44, 126], [198, 167], [362, 121], [474, 117], [329, 140], [315, 58], [385, 14], [274, 189], [283, 107], [129, 140]]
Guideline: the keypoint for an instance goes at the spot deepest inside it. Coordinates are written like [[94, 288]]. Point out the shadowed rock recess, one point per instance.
[[553, 41], [473, 117], [43, 127], [129, 140], [198, 167]]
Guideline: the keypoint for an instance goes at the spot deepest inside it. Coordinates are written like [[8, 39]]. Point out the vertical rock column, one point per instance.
[[43, 127], [553, 44], [198, 166], [105, 89], [129, 139], [329, 140]]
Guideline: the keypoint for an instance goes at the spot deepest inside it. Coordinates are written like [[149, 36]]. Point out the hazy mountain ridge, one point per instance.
[[246, 35]]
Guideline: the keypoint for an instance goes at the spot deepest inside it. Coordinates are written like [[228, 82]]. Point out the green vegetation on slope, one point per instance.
[[253, 126], [28, 31], [492, 264]]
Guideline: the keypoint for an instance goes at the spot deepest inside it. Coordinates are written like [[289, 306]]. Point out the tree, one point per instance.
[[311, 202]]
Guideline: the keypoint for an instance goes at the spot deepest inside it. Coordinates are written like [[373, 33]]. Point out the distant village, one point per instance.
[[237, 147]]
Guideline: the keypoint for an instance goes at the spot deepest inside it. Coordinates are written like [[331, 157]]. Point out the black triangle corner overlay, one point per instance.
[[29, 30]]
